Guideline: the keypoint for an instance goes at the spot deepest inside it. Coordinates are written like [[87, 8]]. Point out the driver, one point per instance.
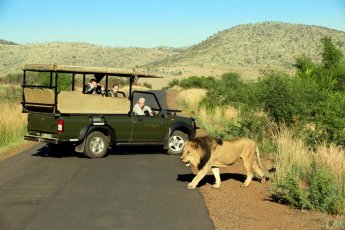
[[140, 108]]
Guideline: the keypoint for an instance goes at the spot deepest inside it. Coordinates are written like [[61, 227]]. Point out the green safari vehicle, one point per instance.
[[92, 123]]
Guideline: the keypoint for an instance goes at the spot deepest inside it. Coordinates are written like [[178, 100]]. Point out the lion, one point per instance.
[[209, 153]]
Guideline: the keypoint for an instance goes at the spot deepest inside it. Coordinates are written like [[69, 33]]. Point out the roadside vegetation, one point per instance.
[[297, 120], [12, 121]]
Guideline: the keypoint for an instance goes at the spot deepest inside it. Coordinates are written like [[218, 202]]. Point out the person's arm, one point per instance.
[[147, 108], [88, 89]]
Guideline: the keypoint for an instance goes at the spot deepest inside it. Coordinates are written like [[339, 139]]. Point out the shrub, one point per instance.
[[147, 85], [290, 193], [323, 193], [197, 82], [173, 83], [277, 97]]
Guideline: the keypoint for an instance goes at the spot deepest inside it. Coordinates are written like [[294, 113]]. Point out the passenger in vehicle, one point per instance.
[[93, 87], [114, 90], [140, 108]]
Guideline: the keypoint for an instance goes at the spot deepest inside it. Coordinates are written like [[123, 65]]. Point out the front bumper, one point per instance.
[[41, 139]]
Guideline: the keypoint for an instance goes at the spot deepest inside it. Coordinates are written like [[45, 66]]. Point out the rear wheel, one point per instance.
[[96, 145], [176, 142]]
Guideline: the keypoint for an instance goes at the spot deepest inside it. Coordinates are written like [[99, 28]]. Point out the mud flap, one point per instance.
[[80, 148]]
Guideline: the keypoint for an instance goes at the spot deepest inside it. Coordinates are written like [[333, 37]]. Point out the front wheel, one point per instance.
[[96, 145], [176, 142]]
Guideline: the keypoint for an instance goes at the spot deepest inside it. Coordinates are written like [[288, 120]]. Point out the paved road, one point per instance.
[[133, 188]]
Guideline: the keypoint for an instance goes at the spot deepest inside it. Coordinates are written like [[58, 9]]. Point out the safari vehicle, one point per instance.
[[92, 123]]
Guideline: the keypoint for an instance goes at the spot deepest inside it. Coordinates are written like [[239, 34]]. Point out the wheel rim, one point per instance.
[[97, 145], [176, 143]]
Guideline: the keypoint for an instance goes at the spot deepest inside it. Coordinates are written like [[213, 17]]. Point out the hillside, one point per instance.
[[5, 42], [77, 54], [244, 49], [254, 46]]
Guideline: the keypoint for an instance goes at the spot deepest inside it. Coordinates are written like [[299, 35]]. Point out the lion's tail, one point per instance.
[[258, 157], [272, 170]]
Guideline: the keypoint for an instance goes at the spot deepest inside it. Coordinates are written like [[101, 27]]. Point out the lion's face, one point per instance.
[[189, 153]]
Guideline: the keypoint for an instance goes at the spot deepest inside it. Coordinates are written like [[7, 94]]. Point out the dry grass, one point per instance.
[[12, 124], [215, 120], [292, 156], [190, 99], [295, 158]]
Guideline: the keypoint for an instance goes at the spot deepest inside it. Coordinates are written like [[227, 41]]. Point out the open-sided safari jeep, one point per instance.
[[91, 123]]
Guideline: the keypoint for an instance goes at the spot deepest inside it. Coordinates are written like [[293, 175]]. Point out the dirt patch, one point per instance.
[[234, 207], [16, 150]]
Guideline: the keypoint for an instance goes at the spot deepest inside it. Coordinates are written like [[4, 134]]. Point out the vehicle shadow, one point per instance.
[[117, 150], [209, 179], [44, 151], [136, 150]]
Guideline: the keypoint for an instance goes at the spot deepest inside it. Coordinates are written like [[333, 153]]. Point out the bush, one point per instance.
[[147, 85], [277, 97], [290, 193], [173, 83], [197, 82], [323, 194]]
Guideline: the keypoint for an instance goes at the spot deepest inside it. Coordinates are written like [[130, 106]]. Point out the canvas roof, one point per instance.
[[85, 70]]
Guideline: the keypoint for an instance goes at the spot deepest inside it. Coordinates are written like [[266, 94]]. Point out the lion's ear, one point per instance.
[[194, 145]]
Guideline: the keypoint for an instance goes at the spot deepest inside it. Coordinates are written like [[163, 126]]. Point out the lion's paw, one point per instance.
[[244, 185], [191, 186], [216, 186]]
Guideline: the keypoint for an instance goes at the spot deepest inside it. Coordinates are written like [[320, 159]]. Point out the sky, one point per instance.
[[152, 23]]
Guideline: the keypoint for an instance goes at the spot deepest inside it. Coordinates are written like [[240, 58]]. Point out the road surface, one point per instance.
[[132, 188]]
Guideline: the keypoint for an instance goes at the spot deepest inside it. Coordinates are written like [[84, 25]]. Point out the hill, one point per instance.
[[5, 42], [254, 46], [245, 49], [78, 54]]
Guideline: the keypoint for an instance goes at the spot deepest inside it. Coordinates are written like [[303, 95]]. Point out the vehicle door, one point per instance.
[[149, 128]]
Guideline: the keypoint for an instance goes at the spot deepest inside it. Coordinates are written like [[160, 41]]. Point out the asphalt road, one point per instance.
[[132, 188]]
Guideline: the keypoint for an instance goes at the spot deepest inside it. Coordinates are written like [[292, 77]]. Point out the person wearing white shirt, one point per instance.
[[140, 108]]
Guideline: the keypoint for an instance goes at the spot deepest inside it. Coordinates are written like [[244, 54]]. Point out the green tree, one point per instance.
[[331, 56]]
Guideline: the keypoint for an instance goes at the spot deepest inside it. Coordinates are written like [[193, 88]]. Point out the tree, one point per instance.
[[331, 55]]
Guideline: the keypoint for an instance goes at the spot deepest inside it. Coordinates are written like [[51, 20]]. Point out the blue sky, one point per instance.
[[151, 23]]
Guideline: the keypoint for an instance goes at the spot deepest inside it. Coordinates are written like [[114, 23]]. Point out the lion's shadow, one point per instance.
[[209, 179]]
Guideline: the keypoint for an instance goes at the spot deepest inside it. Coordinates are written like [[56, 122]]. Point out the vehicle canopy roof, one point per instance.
[[86, 70]]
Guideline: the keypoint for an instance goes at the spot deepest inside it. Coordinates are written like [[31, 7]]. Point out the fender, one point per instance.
[[90, 128]]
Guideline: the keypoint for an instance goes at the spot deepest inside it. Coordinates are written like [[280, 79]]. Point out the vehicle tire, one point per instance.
[[176, 142], [96, 145]]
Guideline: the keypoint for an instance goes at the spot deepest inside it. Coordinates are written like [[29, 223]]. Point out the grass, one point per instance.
[[318, 175], [190, 99], [12, 124], [215, 121], [338, 223]]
